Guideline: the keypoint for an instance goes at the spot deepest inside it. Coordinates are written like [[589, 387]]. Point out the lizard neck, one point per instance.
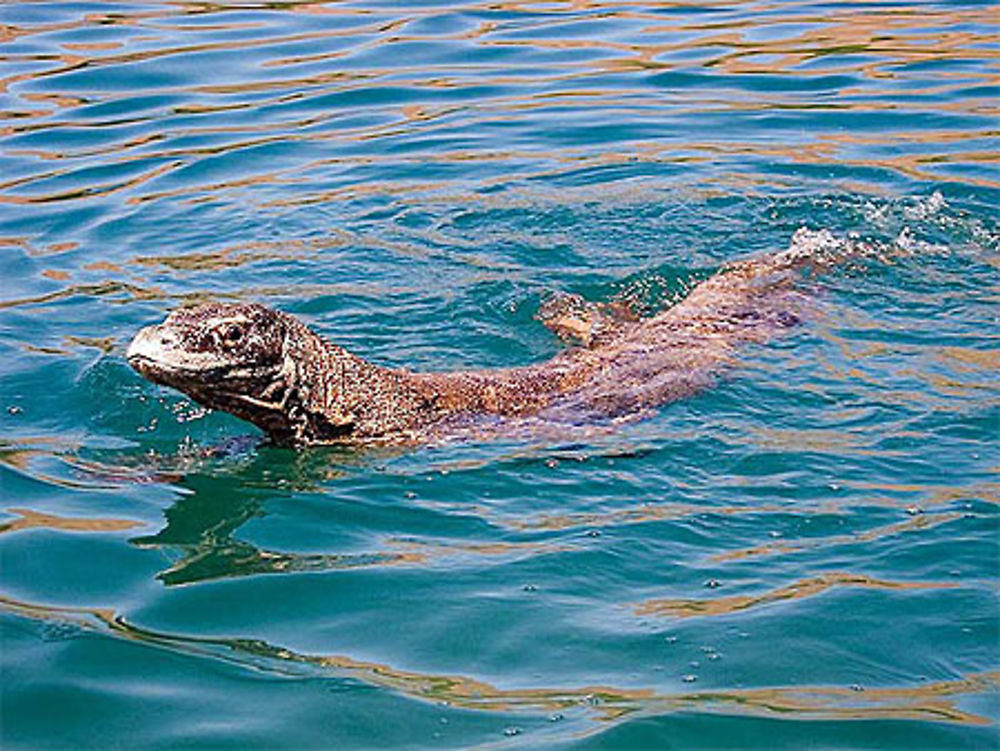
[[328, 395], [332, 395]]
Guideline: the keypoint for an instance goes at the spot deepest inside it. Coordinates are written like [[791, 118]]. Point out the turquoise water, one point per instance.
[[804, 555]]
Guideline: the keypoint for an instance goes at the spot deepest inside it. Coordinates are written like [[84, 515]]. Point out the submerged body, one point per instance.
[[267, 367]]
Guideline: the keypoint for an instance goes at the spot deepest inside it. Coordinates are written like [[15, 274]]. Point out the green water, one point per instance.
[[805, 555]]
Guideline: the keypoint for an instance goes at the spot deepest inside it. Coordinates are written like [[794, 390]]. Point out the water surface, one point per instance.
[[805, 554]]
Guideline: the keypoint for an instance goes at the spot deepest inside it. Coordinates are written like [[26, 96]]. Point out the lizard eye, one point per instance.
[[232, 335]]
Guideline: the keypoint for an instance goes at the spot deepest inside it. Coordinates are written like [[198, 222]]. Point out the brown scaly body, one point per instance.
[[267, 367]]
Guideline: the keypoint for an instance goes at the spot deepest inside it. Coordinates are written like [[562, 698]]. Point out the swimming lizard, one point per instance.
[[269, 368]]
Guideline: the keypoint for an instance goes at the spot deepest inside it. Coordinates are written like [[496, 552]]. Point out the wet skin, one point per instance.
[[269, 368]]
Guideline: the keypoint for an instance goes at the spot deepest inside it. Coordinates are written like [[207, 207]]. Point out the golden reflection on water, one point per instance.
[[234, 256], [872, 47], [785, 547], [220, 556], [118, 292], [104, 289], [551, 164], [641, 513], [968, 376], [28, 519], [439, 551], [687, 608], [935, 701]]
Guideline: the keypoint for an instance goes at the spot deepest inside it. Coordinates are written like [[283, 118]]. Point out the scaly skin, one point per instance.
[[267, 367]]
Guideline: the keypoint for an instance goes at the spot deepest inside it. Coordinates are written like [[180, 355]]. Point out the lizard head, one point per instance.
[[223, 355]]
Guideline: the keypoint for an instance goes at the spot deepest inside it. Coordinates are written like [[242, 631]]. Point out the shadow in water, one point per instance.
[[219, 498]]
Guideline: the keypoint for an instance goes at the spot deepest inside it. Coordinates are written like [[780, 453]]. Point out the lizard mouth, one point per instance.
[[155, 355], [154, 370]]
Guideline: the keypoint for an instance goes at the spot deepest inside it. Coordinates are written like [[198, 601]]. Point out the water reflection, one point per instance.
[[525, 64], [786, 547], [937, 701], [215, 501], [221, 488], [687, 608], [224, 487], [28, 519]]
